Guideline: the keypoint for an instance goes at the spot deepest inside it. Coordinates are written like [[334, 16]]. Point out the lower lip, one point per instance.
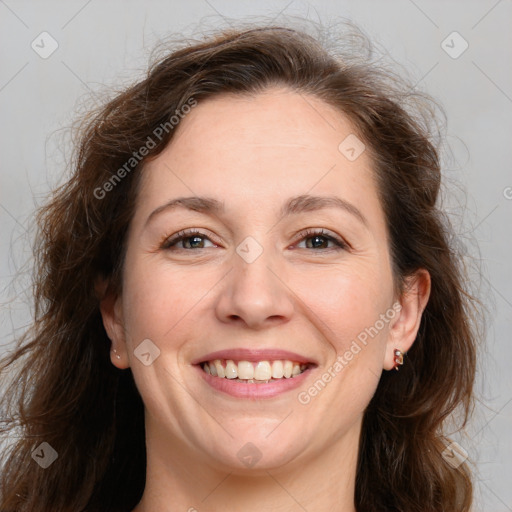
[[254, 391]]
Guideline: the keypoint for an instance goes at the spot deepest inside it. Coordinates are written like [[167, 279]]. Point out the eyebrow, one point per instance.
[[294, 205]]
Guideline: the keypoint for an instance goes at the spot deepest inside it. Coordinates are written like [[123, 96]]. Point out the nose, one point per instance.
[[255, 293]]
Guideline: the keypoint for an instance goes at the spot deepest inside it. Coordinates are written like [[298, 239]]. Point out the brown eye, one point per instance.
[[320, 239]]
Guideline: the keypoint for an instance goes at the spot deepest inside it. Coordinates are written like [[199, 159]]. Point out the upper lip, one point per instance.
[[247, 354]]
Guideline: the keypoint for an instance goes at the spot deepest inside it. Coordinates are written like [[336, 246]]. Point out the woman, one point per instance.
[[248, 249]]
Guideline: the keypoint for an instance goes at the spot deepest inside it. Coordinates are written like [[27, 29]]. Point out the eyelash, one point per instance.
[[169, 242]]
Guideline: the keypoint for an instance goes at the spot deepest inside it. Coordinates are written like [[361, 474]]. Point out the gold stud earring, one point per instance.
[[399, 359]]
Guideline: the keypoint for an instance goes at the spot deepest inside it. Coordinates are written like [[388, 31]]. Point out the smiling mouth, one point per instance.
[[254, 372]]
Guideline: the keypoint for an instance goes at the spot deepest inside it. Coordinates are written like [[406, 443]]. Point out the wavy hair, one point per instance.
[[67, 393]]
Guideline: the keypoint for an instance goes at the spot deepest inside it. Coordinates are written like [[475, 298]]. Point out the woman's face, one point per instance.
[[258, 285]]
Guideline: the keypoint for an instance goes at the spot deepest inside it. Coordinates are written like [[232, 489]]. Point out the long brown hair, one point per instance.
[[68, 394]]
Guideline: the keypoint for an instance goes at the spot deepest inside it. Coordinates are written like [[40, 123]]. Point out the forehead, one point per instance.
[[253, 150], [277, 119]]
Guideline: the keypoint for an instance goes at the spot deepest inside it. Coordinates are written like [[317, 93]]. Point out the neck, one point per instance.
[[177, 479]]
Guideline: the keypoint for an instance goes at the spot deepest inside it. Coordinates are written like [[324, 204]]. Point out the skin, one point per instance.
[[253, 153]]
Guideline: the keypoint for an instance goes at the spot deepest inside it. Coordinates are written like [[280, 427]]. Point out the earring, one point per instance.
[[399, 359], [117, 355]]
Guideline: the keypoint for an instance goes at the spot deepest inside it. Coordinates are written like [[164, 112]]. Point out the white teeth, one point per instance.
[[246, 370], [277, 370], [287, 369], [231, 370], [259, 372], [219, 368], [263, 371]]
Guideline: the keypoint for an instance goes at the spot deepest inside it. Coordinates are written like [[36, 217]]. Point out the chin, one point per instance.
[[259, 448]]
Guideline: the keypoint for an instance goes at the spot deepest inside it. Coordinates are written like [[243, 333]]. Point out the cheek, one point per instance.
[[346, 302], [350, 310], [164, 302], [156, 299]]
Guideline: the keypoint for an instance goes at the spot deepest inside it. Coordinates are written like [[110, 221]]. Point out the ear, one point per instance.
[[111, 313], [405, 325]]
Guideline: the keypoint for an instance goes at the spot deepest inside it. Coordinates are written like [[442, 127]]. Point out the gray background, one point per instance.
[[109, 42]]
